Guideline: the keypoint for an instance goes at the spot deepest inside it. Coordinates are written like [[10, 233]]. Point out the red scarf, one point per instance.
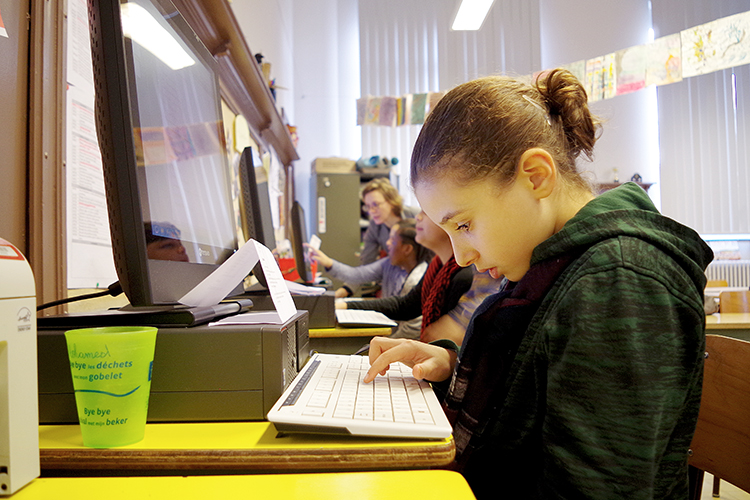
[[434, 288]]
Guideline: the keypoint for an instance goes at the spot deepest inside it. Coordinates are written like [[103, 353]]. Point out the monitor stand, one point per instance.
[[169, 315]]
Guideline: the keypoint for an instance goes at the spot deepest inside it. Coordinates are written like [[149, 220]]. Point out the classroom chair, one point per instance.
[[734, 302], [721, 444]]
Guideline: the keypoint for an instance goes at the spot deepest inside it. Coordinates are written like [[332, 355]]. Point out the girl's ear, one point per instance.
[[537, 170]]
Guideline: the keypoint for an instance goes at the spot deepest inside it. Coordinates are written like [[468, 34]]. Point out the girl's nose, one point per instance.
[[464, 254]]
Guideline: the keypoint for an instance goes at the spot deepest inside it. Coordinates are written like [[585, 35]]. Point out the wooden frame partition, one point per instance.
[[46, 150]]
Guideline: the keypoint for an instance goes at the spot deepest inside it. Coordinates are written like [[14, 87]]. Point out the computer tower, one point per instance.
[[200, 374]]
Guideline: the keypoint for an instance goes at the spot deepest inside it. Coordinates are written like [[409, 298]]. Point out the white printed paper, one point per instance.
[[315, 242], [219, 283]]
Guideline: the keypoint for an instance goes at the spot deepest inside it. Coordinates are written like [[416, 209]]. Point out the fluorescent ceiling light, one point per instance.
[[142, 28], [471, 14]]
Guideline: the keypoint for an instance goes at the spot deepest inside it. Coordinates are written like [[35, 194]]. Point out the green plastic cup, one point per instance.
[[111, 368]]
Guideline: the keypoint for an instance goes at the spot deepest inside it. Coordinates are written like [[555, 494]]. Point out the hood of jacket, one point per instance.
[[628, 211]]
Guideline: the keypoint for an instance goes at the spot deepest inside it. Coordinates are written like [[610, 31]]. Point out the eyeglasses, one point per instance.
[[374, 206]]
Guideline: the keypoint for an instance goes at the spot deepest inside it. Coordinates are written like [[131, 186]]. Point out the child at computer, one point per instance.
[[397, 273], [582, 377]]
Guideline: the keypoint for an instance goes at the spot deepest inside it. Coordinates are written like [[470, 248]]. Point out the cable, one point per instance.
[[114, 290]]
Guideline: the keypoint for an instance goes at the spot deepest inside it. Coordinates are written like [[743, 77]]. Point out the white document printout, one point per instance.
[[219, 283]]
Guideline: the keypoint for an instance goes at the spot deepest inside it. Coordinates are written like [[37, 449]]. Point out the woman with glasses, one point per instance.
[[385, 207]]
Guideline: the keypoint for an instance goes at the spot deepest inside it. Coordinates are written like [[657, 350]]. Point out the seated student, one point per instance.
[[436, 295], [385, 207], [397, 273], [581, 379], [454, 324]]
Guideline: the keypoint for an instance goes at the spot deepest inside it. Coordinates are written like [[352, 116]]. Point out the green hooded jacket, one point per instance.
[[604, 391]]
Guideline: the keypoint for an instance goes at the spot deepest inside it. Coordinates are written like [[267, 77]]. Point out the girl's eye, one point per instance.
[[462, 227]]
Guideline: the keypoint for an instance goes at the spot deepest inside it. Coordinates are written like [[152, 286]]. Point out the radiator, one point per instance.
[[734, 272]]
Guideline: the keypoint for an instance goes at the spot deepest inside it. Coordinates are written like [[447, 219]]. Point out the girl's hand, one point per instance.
[[318, 256], [427, 361]]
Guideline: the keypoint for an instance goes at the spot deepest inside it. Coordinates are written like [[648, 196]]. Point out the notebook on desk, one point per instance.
[[328, 396], [355, 318]]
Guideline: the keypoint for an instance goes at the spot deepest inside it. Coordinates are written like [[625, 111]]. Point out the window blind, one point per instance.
[[407, 47], [704, 139]]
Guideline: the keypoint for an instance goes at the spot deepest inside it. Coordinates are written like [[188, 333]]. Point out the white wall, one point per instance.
[[267, 26], [313, 46], [326, 74], [575, 30]]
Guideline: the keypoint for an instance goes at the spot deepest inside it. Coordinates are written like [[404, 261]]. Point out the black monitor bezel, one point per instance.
[[298, 238], [257, 220], [145, 282]]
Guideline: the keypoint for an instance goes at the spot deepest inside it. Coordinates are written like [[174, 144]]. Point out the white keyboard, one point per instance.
[[329, 396]]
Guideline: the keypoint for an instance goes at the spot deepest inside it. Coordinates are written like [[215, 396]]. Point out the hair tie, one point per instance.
[[540, 108]]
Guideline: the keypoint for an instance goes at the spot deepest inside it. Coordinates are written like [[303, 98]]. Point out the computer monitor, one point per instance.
[[299, 236], [257, 221], [160, 129]]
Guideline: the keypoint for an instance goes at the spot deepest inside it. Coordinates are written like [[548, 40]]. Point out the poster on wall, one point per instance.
[[630, 69], [664, 60], [90, 260], [578, 69], [716, 45], [601, 78], [79, 69]]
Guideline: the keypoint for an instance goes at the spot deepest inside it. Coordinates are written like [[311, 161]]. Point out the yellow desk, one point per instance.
[[343, 340], [735, 325], [236, 447], [392, 485]]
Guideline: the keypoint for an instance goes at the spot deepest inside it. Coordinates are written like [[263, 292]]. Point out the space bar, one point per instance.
[[301, 383]]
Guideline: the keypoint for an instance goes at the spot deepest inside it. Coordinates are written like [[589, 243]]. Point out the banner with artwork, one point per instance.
[[714, 46]]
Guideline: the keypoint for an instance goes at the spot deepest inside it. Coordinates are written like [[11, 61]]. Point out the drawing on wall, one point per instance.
[[388, 111], [630, 69], [600, 77], [713, 46], [361, 110], [3, 31], [418, 105], [664, 60], [578, 69], [372, 116], [433, 98], [716, 45], [401, 110]]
